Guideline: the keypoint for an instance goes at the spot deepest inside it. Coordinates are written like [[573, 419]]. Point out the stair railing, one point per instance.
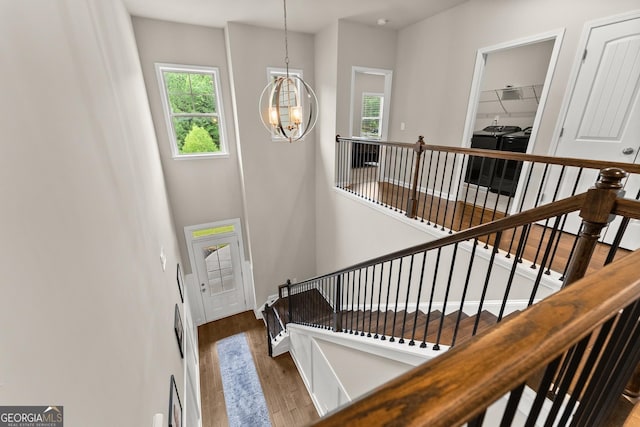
[[416, 295], [453, 188], [582, 344]]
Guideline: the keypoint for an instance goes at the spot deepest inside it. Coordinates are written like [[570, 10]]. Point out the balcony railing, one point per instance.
[[452, 189]]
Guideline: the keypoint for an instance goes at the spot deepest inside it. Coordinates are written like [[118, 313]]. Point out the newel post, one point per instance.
[[412, 203], [337, 310], [595, 214], [289, 300]]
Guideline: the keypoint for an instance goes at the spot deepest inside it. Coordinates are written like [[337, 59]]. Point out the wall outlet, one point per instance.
[[402, 126], [163, 258]]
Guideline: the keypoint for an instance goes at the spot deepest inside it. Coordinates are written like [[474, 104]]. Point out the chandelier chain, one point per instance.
[[286, 38]]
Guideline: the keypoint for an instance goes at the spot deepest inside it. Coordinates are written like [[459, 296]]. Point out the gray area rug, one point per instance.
[[242, 391]]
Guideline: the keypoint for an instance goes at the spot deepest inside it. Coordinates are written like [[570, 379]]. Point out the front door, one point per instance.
[[219, 275], [603, 118]]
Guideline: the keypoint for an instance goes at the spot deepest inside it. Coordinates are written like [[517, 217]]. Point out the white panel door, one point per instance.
[[219, 272], [603, 118]]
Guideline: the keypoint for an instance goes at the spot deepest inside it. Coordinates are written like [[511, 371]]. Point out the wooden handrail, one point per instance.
[[550, 210], [628, 208], [509, 155], [450, 390]]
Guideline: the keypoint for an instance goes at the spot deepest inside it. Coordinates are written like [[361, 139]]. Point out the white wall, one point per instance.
[[337, 368], [200, 190], [326, 62], [278, 176], [519, 66], [87, 311], [436, 57], [346, 230], [365, 46]]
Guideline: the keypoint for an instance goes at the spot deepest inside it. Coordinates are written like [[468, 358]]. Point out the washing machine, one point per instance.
[[507, 172], [481, 170]]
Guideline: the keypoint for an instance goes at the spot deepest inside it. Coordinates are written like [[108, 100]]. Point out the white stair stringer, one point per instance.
[[280, 344], [338, 368]]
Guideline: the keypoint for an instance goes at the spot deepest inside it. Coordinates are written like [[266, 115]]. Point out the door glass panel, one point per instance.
[[219, 268]]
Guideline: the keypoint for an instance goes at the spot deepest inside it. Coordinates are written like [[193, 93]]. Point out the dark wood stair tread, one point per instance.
[[312, 307]]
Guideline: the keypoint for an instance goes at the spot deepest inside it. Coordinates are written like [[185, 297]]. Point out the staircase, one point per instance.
[[441, 294], [415, 328]]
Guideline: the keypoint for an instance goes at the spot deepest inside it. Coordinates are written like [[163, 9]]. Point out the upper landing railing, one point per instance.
[[452, 188], [563, 361]]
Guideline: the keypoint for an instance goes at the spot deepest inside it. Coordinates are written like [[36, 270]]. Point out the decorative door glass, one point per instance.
[[219, 268]]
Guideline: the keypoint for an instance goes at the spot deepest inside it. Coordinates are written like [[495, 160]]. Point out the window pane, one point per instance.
[[204, 103], [197, 134], [191, 106], [371, 106], [201, 83], [177, 82], [370, 128], [190, 93], [181, 103]]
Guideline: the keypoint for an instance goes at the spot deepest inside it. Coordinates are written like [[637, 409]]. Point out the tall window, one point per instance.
[[193, 111], [371, 116], [274, 73]]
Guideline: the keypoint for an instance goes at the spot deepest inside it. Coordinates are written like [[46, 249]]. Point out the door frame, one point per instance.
[[478, 73], [575, 69], [476, 83], [388, 82], [221, 229]]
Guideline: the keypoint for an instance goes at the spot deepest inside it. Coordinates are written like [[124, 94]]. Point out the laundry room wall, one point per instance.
[[522, 67]]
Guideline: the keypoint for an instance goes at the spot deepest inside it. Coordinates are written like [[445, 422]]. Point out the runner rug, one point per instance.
[[242, 391]]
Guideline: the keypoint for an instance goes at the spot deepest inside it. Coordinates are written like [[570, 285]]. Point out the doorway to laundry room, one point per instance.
[[506, 102]]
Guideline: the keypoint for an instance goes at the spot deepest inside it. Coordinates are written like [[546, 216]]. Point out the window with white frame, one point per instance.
[[272, 75], [193, 110], [371, 115]]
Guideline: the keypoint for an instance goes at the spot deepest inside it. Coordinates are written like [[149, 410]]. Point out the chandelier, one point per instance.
[[288, 105]]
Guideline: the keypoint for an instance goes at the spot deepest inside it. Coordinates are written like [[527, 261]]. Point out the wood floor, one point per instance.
[[287, 398], [445, 214]]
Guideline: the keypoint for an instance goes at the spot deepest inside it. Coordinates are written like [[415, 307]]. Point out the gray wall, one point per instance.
[[437, 56], [200, 190], [519, 66], [349, 231], [278, 176], [87, 311], [433, 62]]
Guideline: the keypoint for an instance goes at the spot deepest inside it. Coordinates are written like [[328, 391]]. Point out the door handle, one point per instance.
[[627, 151], [204, 290], [202, 285]]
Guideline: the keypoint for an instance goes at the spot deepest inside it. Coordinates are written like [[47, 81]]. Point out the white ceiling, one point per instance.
[[308, 16]]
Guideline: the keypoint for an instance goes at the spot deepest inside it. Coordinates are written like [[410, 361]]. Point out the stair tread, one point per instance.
[[312, 306]]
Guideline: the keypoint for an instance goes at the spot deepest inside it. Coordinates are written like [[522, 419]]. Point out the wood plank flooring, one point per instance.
[[287, 398], [446, 214]]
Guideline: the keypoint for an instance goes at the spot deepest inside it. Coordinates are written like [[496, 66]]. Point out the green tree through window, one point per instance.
[[198, 141], [192, 107]]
